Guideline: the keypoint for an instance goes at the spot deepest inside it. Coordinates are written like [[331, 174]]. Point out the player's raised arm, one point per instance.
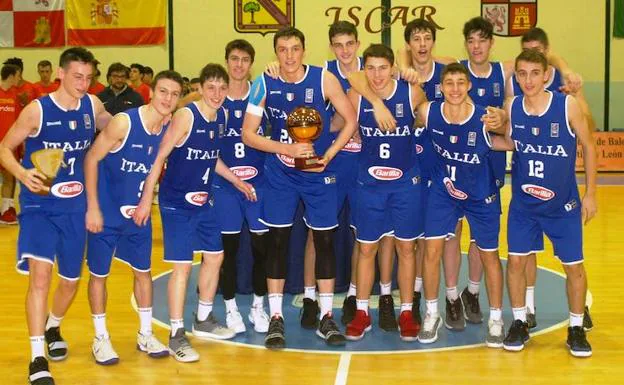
[[384, 118]]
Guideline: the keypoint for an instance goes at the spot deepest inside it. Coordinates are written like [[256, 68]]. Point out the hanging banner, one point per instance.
[[609, 152], [32, 23]]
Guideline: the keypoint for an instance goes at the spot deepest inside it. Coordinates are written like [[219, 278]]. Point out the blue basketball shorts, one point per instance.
[[232, 209]]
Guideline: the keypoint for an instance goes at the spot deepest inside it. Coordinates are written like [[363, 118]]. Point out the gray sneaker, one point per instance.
[[211, 328], [454, 317], [429, 330], [180, 348], [496, 334], [531, 321], [472, 310]]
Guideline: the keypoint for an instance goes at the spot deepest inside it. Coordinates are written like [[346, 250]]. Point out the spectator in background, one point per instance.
[[96, 87], [137, 84], [118, 96], [26, 91], [147, 75], [194, 85], [45, 85]]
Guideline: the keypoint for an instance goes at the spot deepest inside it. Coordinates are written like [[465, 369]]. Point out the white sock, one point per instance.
[[145, 316], [496, 314], [418, 283], [362, 304], [530, 299], [452, 294], [519, 313], [309, 292], [53, 321], [326, 302], [6, 203], [36, 347], [230, 305], [576, 320], [203, 310], [258, 301], [352, 290], [99, 322], [176, 324], [406, 307], [432, 307], [275, 304], [473, 287], [385, 288]]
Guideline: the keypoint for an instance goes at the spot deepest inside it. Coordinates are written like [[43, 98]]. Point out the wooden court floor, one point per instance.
[[544, 361]]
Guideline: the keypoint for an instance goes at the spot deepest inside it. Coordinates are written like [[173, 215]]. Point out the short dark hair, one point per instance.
[[242, 45], [478, 24], [44, 63], [168, 74], [532, 56], [342, 27], [418, 25], [213, 71], [535, 34], [137, 66], [379, 50], [288, 32], [78, 54], [117, 67], [8, 70], [16, 62], [147, 70], [194, 80], [454, 68]]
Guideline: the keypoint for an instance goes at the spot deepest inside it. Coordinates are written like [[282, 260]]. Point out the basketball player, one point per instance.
[[9, 111], [190, 224], [544, 127], [298, 85], [121, 157], [52, 219]]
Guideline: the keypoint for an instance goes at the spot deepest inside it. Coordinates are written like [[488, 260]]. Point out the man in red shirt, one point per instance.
[[136, 82], [9, 109], [45, 85], [96, 87], [26, 91]]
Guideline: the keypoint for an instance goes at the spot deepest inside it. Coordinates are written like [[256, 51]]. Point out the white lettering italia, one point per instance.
[[79, 145], [129, 166], [457, 156], [527, 148], [195, 154], [374, 131]]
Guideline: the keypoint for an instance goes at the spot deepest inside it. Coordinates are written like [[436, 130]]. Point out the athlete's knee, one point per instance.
[[325, 256], [516, 264], [277, 250], [575, 272], [367, 250]]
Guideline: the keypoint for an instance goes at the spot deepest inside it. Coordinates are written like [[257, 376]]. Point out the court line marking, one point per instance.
[[343, 369]]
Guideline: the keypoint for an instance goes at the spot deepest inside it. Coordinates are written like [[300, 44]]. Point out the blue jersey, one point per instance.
[[191, 165], [72, 131], [553, 84], [462, 151], [388, 159], [543, 165], [245, 162], [122, 172], [424, 150], [281, 98]]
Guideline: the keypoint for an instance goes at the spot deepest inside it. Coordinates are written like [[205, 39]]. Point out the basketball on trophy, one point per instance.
[[305, 125]]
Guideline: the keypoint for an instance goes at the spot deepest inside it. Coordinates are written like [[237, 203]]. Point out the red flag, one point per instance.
[[32, 23]]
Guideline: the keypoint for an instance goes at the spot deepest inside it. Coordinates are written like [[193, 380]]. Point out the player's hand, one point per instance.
[[494, 118], [322, 164], [94, 220], [588, 208], [33, 180], [384, 118], [573, 83], [247, 189], [272, 69], [410, 75], [143, 211], [300, 150]]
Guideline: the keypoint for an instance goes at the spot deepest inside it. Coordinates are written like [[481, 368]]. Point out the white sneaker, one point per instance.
[[496, 334], [259, 319], [150, 345], [430, 326], [234, 321], [181, 349], [103, 351]]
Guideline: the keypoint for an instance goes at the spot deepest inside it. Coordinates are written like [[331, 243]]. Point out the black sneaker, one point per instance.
[[416, 308], [39, 373], [275, 338], [57, 347], [588, 324], [328, 330], [472, 310], [309, 314], [348, 310], [454, 319], [517, 336], [531, 320], [577, 342], [387, 320]]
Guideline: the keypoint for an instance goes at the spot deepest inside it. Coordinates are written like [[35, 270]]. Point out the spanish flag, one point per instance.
[[115, 22]]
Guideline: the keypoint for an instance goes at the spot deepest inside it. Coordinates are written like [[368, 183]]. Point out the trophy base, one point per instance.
[[308, 163]]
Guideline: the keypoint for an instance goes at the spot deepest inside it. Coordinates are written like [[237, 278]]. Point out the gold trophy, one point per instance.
[[305, 125], [48, 162]]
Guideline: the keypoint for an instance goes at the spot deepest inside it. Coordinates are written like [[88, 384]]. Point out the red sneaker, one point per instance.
[[9, 217], [359, 326], [408, 327]]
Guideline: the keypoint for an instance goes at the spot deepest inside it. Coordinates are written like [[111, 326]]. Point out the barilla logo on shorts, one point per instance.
[[67, 189], [127, 211], [287, 160], [539, 192], [385, 173], [244, 172], [196, 198], [454, 192], [352, 146], [419, 149]]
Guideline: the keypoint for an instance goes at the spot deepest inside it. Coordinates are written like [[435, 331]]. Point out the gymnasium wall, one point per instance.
[[201, 29]]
